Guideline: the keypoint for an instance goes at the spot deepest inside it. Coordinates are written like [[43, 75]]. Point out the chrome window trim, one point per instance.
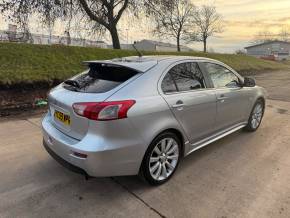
[[189, 91]]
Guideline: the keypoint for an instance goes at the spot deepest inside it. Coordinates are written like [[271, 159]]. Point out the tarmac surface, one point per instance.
[[241, 175]]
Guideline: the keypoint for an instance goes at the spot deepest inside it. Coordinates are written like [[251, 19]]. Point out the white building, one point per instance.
[[276, 50], [150, 45]]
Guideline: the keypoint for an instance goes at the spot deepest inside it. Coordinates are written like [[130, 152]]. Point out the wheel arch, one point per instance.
[[175, 131], [260, 98], [179, 136], [253, 102]]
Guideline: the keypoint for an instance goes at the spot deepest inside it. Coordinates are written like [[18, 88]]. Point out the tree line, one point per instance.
[[175, 19], [267, 36]]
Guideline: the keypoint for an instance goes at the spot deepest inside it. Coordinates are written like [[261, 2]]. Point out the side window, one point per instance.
[[168, 85], [221, 76], [186, 76]]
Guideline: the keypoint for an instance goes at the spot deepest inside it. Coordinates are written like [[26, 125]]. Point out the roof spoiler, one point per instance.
[[108, 63], [95, 62]]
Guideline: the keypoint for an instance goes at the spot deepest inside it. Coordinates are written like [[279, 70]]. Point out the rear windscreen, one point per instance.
[[100, 78]]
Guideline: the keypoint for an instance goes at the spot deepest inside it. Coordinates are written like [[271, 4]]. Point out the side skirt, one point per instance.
[[204, 142]]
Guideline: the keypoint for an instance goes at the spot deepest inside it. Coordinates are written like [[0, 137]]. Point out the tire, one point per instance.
[[164, 153], [256, 116]]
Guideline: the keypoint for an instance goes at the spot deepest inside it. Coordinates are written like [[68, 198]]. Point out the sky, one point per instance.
[[243, 20]]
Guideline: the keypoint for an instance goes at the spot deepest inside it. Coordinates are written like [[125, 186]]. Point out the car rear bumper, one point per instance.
[[104, 156], [64, 162]]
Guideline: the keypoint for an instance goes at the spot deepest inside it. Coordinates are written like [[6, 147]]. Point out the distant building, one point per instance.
[[3, 36], [150, 45], [276, 50]]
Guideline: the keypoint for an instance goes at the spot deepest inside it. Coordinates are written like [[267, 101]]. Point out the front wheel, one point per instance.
[[161, 159], [256, 116]]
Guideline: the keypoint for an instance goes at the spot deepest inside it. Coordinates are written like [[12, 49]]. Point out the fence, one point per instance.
[[32, 38]]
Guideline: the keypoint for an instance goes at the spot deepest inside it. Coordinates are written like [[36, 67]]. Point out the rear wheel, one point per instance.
[[161, 158], [256, 116]]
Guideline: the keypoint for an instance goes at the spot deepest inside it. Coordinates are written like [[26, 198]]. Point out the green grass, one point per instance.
[[41, 63]]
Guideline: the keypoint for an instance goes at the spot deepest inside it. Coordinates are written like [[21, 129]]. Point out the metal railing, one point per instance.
[[33, 38]]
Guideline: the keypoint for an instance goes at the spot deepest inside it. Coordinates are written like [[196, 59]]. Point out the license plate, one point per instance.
[[64, 118]]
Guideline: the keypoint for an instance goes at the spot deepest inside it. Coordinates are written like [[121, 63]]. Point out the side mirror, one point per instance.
[[249, 82]]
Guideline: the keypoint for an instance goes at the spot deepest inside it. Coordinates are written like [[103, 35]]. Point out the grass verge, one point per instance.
[[25, 63]]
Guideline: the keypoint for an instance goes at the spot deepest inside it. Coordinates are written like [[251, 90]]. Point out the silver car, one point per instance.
[[141, 115]]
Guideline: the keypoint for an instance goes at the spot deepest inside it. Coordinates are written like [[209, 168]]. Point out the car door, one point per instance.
[[232, 100], [194, 106]]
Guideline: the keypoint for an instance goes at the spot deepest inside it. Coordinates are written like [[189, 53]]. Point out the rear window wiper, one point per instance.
[[72, 83]]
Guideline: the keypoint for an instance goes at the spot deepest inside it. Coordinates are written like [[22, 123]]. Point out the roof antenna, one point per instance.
[[139, 53]]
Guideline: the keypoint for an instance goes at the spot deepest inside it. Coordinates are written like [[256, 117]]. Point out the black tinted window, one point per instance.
[[187, 76], [100, 78], [168, 84], [221, 76]]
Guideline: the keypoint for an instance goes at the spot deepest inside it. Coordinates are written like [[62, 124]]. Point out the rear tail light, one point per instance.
[[112, 110]]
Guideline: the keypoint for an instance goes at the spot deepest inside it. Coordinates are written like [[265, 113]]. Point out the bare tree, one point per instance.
[[173, 18], [80, 26], [240, 52], [208, 23], [264, 35], [284, 33], [106, 13]]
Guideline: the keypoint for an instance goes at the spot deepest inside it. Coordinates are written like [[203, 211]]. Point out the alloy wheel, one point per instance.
[[164, 159], [257, 115]]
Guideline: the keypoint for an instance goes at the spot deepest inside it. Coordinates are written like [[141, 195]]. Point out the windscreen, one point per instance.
[[100, 78]]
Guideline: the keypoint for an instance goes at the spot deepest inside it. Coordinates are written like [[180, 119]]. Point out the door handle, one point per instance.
[[222, 98], [178, 104]]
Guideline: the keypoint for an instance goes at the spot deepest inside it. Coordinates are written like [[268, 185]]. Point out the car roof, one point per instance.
[[145, 63]]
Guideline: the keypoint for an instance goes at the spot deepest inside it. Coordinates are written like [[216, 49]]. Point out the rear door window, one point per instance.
[[100, 78], [168, 85], [183, 77]]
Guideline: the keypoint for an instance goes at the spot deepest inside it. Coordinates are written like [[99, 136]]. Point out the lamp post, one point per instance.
[[127, 39]]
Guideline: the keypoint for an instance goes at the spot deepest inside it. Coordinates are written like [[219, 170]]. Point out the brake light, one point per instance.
[[112, 110]]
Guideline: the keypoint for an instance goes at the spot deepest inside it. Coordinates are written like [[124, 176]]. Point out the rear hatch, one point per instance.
[[96, 84]]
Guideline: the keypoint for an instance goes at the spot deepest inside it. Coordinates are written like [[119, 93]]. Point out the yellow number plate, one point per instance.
[[65, 119]]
